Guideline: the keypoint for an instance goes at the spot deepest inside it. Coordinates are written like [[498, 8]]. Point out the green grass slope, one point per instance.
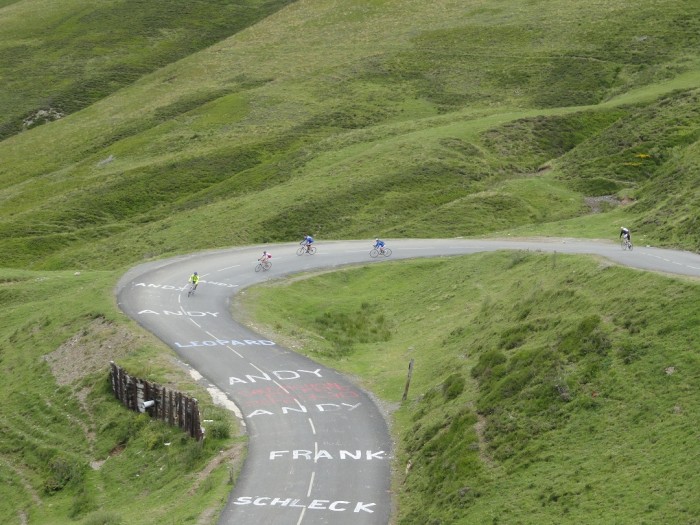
[[59, 57], [434, 125], [69, 453], [132, 130], [546, 388]]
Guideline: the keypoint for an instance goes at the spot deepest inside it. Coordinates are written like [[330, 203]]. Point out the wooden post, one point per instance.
[[408, 380]]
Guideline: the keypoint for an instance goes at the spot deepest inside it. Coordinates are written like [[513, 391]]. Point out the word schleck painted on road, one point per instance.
[[181, 288], [324, 454], [316, 504], [225, 342]]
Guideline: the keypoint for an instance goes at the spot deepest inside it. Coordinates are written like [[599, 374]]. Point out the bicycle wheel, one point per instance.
[[259, 267], [387, 252], [374, 252], [312, 250], [301, 251], [623, 245], [629, 246], [267, 265]]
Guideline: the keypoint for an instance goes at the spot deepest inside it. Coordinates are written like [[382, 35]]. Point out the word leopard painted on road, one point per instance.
[[316, 504]]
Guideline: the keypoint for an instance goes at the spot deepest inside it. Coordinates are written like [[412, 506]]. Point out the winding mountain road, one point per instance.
[[320, 451]]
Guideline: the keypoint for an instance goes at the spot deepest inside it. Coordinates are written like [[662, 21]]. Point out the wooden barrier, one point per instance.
[[159, 402]]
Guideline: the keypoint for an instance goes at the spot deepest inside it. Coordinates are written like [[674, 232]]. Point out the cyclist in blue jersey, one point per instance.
[[307, 242], [379, 245]]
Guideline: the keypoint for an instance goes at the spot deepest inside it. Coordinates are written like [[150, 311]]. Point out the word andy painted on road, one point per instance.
[[180, 313], [302, 409], [282, 375], [181, 288], [226, 342], [316, 504], [268, 394], [357, 455]]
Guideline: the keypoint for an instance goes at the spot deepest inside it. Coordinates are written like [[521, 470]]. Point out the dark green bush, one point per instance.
[[453, 386], [62, 471], [588, 337], [487, 361], [219, 430]]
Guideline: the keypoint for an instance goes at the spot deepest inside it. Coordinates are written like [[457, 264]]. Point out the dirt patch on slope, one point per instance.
[[606, 203], [90, 351]]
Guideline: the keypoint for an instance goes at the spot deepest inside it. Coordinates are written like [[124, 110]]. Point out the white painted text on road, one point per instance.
[[357, 455], [282, 375], [316, 504], [225, 342], [320, 407], [179, 313]]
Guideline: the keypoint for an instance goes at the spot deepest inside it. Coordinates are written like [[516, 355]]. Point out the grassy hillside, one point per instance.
[[57, 58], [132, 130], [546, 388], [69, 453], [434, 125]]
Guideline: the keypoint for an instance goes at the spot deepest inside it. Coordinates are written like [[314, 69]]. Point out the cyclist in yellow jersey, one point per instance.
[[194, 279]]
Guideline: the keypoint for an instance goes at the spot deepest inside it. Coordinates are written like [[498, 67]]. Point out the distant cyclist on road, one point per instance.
[[194, 279], [265, 256], [308, 241], [625, 233], [379, 245]]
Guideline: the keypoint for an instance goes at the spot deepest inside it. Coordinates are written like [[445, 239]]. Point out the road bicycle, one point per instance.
[[626, 244], [191, 290], [264, 265], [376, 252], [310, 249]]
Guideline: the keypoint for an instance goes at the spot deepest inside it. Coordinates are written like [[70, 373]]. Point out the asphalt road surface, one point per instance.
[[320, 451]]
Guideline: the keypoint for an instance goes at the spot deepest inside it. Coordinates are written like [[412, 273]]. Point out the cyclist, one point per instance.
[[379, 245], [625, 232], [308, 241], [194, 279], [265, 256]]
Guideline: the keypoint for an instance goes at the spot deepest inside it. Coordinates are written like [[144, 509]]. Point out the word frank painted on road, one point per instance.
[[316, 504], [343, 455]]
